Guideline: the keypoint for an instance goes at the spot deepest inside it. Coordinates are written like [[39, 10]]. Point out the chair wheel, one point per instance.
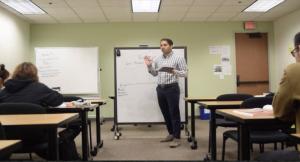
[[94, 153], [116, 137], [181, 126], [187, 133], [189, 139], [194, 145]]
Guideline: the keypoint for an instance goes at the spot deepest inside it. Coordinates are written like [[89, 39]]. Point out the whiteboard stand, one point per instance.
[[132, 59]]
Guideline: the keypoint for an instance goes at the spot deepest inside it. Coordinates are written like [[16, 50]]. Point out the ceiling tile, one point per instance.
[[50, 3], [176, 2], [227, 8], [115, 3], [82, 3], [207, 2], [203, 8], [45, 19], [246, 16], [238, 2]]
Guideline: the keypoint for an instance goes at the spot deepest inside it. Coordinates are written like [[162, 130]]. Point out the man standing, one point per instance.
[[168, 68]]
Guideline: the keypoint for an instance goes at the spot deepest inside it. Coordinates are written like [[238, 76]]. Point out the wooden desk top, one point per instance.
[[296, 135], [230, 114], [8, 143], [220, 103], [196, 99], [215, 105], [36, 119]]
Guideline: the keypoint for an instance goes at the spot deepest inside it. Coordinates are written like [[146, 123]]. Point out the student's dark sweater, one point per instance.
[[29, 91]]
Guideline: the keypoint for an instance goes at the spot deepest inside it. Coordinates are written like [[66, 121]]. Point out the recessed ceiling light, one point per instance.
[[145, 5], [263, 5], [25, 7]]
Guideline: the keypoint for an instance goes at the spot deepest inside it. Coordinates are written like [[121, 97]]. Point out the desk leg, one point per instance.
[[98, 133], [212, 131], [193, 134], [84, 136], [53, 150], [244, 142]]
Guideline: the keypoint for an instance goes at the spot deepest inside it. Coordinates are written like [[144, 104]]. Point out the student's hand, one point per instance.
[[148, 61], [70, 105]]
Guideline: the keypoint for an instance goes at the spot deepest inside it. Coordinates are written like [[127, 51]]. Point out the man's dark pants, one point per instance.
[[168, 100]]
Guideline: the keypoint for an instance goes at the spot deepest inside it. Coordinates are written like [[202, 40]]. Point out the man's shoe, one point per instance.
[[169, 138], [175, 143]]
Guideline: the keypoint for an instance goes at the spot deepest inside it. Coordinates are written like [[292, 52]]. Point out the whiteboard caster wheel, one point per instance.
[[116, 137], [182, 127], [187, 133], [194, 145], [118, 134]]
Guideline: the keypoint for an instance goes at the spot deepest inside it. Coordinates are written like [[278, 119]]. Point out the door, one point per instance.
[[252, 63]]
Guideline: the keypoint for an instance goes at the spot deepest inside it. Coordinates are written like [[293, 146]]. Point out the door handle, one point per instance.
[[237, 80]]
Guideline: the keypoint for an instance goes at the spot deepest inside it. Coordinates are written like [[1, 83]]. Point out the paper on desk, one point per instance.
[[253, 112]]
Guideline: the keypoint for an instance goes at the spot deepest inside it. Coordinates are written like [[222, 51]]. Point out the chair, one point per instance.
[[261, 137], [220, 121], [33, 139]]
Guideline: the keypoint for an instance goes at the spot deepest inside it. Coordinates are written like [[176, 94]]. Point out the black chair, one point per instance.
[[261, 137], [33, 140], [220, 121], [76, 98]]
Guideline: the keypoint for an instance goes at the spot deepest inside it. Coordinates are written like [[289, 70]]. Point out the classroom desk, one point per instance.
[[83, 111], [193, 101], [99, 103], [49, 121], [244, 124], [213, 106], [9, 146]]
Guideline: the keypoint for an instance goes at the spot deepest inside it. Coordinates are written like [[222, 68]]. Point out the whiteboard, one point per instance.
[[136, 98], [73, 70]]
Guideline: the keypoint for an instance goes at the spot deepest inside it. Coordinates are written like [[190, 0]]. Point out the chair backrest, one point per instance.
[[257, 102], [234, 97], [72, 98], [32, 135], [21, 108], [2, 132]]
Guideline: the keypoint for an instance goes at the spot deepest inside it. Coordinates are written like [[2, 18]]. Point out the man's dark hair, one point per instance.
[[297, 40], [169, 41]]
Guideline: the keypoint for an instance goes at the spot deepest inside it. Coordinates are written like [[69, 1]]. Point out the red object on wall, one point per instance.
[[249, 25]]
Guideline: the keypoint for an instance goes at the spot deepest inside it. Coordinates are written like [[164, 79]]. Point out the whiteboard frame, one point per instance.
[[116, 53]]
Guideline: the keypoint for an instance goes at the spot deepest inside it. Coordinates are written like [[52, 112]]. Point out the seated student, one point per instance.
[[24, 86], [288, 94], [4, 74]]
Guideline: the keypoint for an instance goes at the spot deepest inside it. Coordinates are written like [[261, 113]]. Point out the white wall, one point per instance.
[[14, 39], [285, 29]]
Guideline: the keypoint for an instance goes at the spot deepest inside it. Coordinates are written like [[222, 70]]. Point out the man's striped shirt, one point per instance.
[[171, 60]]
